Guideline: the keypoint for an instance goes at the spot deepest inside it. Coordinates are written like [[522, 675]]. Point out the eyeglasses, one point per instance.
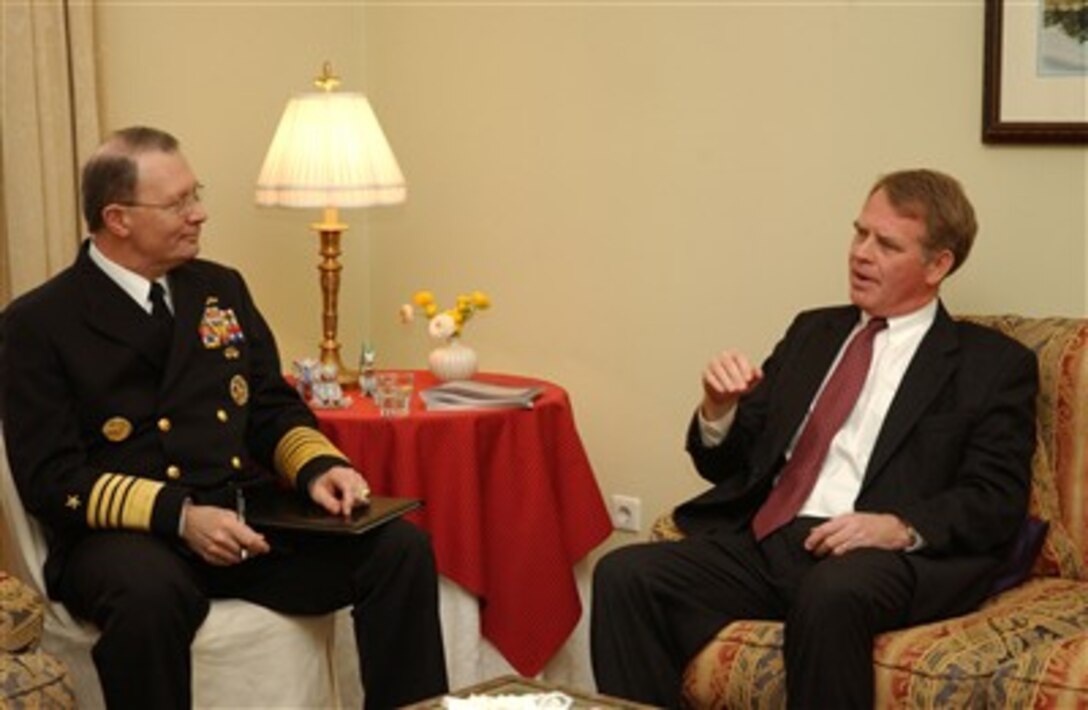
[[181, 207]]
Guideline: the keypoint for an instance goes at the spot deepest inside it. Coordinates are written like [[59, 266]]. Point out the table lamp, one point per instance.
[[329, 152]]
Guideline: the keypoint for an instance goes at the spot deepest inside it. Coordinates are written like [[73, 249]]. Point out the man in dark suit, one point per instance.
[[142, 390], [897, 510]]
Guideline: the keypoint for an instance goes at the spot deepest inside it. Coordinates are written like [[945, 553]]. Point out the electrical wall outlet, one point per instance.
[[626, 513]]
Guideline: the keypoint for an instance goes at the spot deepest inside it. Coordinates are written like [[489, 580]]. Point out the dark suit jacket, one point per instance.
[[953, 456], [103, 433]]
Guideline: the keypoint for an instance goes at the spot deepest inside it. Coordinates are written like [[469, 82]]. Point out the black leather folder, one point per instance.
[[271, 509]]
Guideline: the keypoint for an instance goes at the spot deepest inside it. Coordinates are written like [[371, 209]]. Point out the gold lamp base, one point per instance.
[[329, 268]]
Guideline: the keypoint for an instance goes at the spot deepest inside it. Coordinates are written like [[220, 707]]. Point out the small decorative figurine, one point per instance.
[[367, 382], [318, 385], [305, 374], [327, 391]]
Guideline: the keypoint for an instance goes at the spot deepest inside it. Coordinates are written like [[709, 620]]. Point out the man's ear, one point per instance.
[[940, 266], [116, 219]]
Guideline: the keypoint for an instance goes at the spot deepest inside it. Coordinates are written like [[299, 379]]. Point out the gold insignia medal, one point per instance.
[[117, 429], [219, 327], [239, 390], [213, 333]]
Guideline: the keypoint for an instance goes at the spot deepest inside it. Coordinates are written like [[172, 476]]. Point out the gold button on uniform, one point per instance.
[[221, 415], [236, 462], [165, 424], [173, 473]]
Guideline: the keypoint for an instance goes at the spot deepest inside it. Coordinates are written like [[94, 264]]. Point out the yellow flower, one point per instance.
[[446, 323]]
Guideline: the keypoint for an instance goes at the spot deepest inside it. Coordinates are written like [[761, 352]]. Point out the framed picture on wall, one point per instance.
[[1035, 88]]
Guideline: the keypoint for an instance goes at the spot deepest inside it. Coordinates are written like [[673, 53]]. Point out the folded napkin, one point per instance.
[[529, 701]]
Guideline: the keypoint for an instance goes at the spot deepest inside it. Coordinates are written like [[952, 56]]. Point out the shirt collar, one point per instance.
[[135, 285], [917, 321]]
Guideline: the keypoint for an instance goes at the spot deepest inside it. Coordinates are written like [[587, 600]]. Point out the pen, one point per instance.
[[240, 508]]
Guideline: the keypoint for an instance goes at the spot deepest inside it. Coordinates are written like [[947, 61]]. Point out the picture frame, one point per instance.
[[1020, 105]]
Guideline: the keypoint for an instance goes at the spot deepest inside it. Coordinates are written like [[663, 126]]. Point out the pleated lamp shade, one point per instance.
[[329, 151]]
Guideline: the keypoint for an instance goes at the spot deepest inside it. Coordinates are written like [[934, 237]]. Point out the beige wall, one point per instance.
[[636, 186], [218, 77]]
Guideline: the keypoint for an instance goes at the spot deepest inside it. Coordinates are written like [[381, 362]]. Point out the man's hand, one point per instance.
[[851, 531], [728, 376], [219, 537], [339, 490]]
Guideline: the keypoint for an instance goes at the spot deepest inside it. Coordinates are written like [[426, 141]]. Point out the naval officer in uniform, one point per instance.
[[142, 387]]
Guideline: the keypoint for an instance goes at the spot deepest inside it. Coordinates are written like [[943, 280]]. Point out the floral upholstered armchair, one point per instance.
[[1027, 647], [29, 677]]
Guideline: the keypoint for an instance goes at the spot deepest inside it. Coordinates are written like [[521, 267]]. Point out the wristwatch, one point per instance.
[[916, 540]]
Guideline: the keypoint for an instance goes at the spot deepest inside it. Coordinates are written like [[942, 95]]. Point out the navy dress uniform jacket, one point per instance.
[[104, 431]]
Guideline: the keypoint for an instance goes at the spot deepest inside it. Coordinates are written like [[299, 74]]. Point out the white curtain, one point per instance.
[[48, 127]]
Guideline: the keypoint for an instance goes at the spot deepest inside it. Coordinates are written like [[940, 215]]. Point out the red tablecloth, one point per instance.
[[510, 501]]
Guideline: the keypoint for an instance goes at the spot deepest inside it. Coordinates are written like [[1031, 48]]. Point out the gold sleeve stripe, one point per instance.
[[118, 491], [100, 493], [298, 447], [119, 501], [140, 503]]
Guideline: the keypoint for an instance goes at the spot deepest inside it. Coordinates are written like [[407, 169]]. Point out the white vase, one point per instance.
[[453, 361]]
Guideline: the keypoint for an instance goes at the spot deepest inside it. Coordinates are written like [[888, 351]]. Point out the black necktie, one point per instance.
[[159, 310], [161, 315]]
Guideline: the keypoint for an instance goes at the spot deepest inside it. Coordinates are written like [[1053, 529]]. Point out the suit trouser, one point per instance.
[[656, 605], [148, 597]]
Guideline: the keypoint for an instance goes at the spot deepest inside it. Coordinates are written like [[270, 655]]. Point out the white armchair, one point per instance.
[[243, 655]]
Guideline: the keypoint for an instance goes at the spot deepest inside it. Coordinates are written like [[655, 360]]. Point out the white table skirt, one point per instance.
[[470, 658]]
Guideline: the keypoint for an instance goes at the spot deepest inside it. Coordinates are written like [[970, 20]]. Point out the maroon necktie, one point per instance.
[[834, 404]]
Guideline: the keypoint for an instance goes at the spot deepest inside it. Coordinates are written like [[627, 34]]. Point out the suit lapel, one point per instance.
[[188, 292], [929, 370], [110, 311], [815, 359]]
